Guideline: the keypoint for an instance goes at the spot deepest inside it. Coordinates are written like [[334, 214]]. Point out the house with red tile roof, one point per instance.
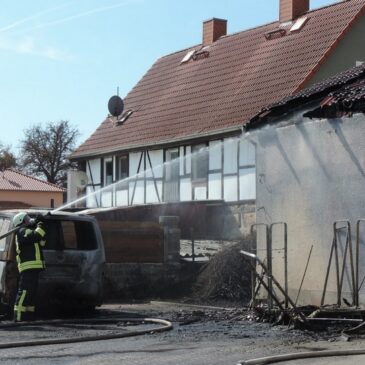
[[18, 190], [181, 136], [310, 165]]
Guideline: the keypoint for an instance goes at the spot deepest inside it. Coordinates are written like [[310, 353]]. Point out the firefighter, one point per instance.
[[30, 239]]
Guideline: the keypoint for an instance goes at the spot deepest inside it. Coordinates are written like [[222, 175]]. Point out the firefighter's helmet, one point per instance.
[[21, 218]]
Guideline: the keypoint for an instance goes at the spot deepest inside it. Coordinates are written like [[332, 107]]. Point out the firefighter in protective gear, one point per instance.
[[30, 239]]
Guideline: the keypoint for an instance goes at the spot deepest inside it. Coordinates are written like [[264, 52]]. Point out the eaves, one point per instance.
[[172, 142]]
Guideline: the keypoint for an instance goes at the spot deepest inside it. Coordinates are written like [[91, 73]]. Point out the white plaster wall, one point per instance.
[[215, 186], [247, 153], [134, 159], [200, 193], [92, 198], [230, 188], [121, 197], [138, 197], [230, 156], [247, 181], [93, 173], [156, 158], [188, 159], [151, 194], [185, 190], [215, 155]]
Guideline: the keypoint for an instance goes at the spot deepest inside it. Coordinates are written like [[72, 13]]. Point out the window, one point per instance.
[[298, 25], [108, 174], [200, 162], [70, 235], [123, 167], [172, 165], [4, 228]]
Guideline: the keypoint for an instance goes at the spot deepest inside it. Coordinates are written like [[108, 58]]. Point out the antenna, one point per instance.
[[116, 105]]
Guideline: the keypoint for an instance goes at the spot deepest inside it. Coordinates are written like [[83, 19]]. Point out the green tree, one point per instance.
[[7, 158], [44, 151]]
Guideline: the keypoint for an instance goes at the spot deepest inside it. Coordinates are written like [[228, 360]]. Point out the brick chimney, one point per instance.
[[213, 29], [292, 9]]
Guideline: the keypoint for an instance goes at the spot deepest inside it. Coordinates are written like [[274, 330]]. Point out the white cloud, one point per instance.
[[17, 23], [85, 14], [28, 46]]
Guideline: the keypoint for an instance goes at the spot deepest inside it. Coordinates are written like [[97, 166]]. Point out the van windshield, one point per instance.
[[70, 235], [4, 227]]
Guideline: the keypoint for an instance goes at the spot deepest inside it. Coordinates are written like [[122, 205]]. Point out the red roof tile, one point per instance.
[[243, 73], [16, 181]]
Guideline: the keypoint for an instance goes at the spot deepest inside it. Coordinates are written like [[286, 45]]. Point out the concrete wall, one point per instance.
[[33, 198], [311, 173]]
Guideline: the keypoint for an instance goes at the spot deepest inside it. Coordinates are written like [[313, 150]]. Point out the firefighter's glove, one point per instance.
[[39, 218], [32, 222], [40, 224]]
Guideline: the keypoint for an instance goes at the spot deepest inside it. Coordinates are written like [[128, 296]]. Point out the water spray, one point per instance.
[[154, 171]]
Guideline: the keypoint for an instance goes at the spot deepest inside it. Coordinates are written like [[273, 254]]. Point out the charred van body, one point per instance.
[[74, 256]]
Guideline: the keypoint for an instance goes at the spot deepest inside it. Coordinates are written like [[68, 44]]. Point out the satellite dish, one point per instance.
[[81, 180], [115, 106]]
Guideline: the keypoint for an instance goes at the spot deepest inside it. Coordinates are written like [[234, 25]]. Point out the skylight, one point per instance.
[[188, 56], [299, 23], [124, 116]]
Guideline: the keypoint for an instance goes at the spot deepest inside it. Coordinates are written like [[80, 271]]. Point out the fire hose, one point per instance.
[[164, 326], [301, 355]]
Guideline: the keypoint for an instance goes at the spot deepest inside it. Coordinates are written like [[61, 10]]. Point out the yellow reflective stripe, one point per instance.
[[40, 231], [24, 309], [31, 265], [42, 243], [37, 252], [19, 308]]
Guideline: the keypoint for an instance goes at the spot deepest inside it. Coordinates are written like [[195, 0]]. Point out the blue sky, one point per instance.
[[62, 60]]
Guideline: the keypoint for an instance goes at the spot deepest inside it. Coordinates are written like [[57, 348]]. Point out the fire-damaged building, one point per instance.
[[180, 146], [199, 98], [310, 156]]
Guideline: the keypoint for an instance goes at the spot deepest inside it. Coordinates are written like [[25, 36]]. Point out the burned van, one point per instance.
[[74, 257]]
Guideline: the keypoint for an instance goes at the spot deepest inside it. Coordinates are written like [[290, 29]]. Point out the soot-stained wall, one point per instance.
[[311, 173]]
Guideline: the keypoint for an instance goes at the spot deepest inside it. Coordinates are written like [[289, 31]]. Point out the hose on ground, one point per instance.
[[301, 355], [166, 326]]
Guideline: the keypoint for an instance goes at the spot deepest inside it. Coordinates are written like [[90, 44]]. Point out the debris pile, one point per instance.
[[227, 275]]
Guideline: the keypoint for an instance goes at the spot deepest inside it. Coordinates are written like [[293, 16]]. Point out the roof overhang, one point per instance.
[[220, 133]]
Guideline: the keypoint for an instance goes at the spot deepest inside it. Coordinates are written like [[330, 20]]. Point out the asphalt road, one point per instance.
[[200, 337]]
